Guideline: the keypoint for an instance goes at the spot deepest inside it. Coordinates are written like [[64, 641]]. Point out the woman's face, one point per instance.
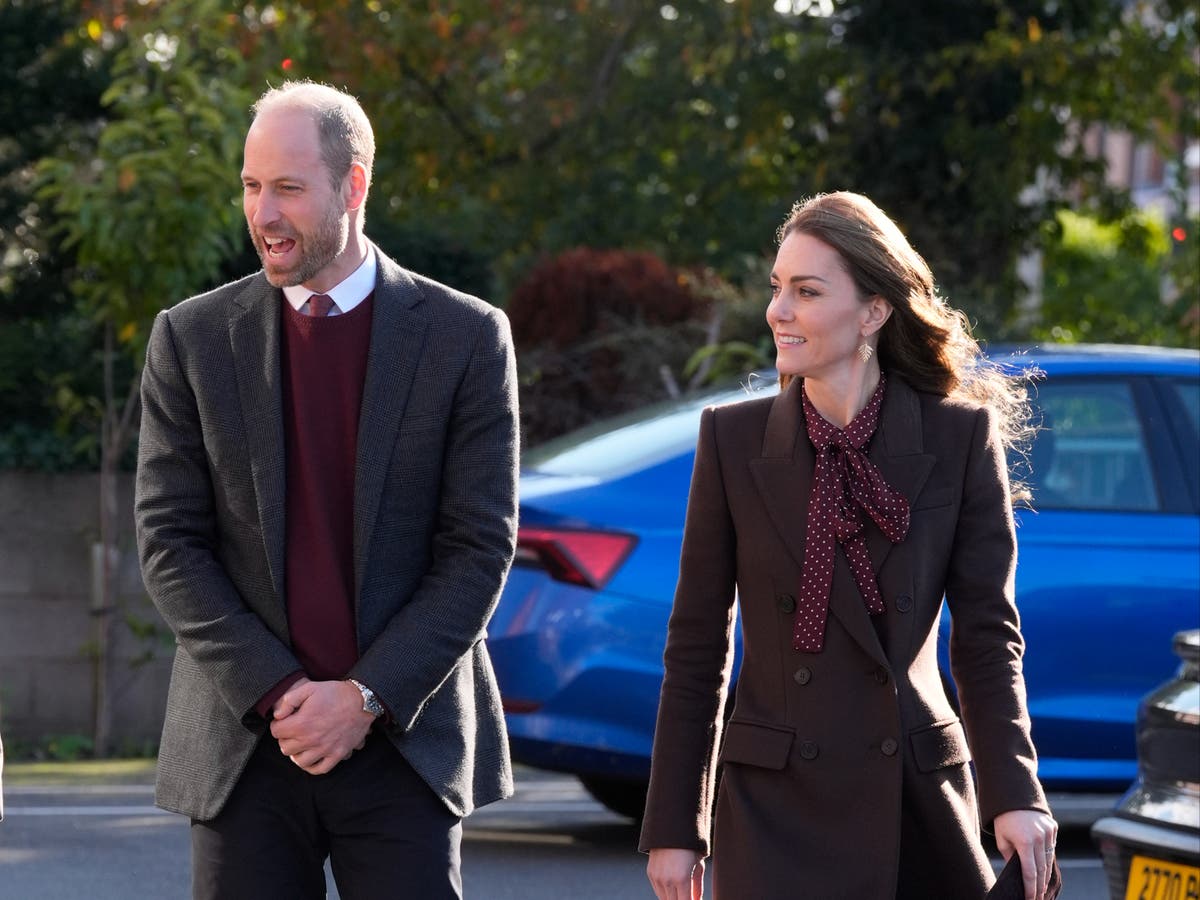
[[816, 313]]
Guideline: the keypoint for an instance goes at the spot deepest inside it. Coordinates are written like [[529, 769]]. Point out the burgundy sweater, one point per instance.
[[324, 364]]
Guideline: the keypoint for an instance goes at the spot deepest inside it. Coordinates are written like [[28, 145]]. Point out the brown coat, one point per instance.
[[822, 749]]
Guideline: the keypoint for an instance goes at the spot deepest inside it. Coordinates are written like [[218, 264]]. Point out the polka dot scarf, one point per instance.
[[845, 484]]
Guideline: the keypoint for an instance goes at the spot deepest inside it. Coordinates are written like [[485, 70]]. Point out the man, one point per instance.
[[326, 512]]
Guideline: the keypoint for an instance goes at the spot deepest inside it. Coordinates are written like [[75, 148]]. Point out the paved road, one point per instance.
[[550, 841]]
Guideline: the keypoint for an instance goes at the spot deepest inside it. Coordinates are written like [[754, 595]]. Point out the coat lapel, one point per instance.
[[254, 336], [783, 477], [897, 450], [784, 473], [397, 339]]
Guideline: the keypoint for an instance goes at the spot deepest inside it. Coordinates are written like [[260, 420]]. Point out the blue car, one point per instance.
[[1108, 571]]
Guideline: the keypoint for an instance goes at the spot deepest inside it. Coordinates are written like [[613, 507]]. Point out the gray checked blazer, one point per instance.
[[434, 529]]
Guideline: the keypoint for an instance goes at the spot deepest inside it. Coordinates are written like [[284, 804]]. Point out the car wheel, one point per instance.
[[622, 796]]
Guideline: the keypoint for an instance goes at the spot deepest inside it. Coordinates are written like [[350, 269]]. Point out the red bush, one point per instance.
[[594, 331], [583, 292]]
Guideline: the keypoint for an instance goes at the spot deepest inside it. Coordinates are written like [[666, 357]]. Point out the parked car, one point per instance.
[[1109, 569], [1151, 844]]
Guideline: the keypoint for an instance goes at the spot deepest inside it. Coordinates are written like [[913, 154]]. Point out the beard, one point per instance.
[[318, 248]]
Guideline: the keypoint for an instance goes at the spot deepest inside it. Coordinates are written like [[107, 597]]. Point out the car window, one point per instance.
[[1188, 392], [1091, 452]]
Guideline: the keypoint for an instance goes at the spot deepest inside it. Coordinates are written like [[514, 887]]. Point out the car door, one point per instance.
[[1109, 564]]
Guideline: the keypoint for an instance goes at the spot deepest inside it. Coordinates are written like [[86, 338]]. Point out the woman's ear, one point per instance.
[[878, 311]]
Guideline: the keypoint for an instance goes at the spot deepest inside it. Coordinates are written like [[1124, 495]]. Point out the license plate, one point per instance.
[[1154, 879]]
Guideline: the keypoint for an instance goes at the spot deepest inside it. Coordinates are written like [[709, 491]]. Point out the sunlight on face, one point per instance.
[[817, 313]]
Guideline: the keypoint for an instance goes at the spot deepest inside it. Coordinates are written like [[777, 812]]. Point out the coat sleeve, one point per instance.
[[697, 662], [473, 542], [178, 539], [986, 646]]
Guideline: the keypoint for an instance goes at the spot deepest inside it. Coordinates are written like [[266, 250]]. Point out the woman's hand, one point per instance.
[[1031, 835], [676, 874]]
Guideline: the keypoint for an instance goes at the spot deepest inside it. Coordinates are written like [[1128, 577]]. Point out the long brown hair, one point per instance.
[[925, 341]]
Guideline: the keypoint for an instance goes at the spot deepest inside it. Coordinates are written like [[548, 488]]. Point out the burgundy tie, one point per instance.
[[319, 305]]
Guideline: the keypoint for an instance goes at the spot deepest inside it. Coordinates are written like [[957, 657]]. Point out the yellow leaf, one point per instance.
[[94, 29], [128, 332], [1034, 29]]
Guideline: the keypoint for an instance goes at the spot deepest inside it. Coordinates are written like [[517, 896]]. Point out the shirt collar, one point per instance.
[[348, 293]]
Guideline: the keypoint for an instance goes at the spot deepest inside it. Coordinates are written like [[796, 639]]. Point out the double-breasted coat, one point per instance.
[[434, 529], [844, 773]]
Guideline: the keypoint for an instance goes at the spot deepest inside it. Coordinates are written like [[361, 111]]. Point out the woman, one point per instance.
[[841, 512]]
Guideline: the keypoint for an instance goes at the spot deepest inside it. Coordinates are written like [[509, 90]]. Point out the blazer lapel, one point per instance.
[[254, 337], [783, 475], [897, 450], [397, 339]]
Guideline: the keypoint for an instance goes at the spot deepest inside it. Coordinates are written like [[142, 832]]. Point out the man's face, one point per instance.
[[298, 222]]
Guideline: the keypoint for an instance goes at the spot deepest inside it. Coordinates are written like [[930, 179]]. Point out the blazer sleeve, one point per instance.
[[474, 539], [986, 646], [697, 662], [178, 539]]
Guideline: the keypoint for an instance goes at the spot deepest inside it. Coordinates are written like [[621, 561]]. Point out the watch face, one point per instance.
[[371, 703]]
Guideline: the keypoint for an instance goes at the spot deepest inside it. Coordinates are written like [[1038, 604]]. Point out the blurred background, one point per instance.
[[611, 172]]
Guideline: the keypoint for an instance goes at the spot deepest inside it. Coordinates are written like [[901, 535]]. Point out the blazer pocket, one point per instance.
[[939, 745], [757, 744], [935, 497]]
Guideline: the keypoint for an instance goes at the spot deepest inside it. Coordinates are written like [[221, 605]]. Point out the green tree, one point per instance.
[[965, 119], [528, 128], [1103, 282], [150, 214], [50, 101]]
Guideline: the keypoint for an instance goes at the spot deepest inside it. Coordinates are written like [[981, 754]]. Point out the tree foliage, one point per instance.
[[599, 332], [1104, 282], [965, 120], [51, 100], [510, 132], [151, 210]]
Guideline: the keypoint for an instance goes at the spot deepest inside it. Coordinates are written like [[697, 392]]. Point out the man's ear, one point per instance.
[[355, 186]]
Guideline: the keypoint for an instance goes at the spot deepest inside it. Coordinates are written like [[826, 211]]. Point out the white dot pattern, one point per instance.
[[844, 482]]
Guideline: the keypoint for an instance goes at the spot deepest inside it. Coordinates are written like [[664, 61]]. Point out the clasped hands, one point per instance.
[[318, 724]]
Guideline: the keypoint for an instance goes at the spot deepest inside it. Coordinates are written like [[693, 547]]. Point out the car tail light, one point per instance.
[[576, 556]]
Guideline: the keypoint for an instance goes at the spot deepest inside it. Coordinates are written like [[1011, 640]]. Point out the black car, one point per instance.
[[1151, 843]]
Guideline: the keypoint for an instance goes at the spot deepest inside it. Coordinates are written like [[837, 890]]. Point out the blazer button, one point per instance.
[[889, 746], [787, 603], [809, 750], [803, 675], [904, 602], [881, 675]]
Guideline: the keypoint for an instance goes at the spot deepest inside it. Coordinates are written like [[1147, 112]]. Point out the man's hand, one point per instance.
[[320, 723], [1032, 835], [676, 874]]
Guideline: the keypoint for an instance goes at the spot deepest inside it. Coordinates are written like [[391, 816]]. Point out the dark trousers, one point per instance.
[[383, 829]]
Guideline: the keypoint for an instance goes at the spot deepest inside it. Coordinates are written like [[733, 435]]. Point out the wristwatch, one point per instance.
[[371, 703]]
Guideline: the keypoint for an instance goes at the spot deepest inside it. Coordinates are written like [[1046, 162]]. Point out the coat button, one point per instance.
[[803, 675], [904, 602], [889, 746], [881, 675], [787, 603], [809, 750]]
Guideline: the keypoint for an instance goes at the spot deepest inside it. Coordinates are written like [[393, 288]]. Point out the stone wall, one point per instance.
[[48, 525]]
